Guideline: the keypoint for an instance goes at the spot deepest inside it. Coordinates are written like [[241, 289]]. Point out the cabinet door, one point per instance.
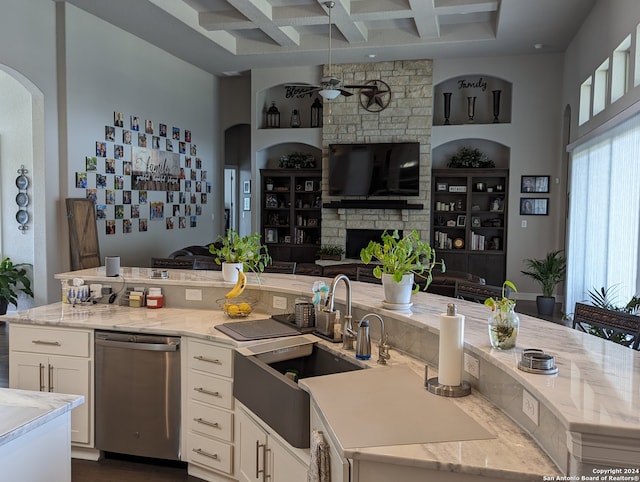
[[284, 466], [251, 449], [71, 375], [28, 371]]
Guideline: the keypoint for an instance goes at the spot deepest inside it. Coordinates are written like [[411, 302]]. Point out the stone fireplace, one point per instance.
[[408, 118]]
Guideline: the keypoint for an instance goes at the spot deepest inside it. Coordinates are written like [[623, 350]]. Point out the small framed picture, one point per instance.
[[246, 187], [247, 204], [475, 221], [534, 206], [461, 222], [312, 222], [442, 186], [534, 184], [270, 235], [287, 239], [308, 185]]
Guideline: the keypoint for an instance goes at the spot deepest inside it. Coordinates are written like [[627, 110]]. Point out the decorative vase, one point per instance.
[[230, 271], [503, 329], [496, 105], [397, 293], [447, 107], [471, 109]]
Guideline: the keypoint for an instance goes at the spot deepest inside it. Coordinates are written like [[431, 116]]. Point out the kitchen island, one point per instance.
[[35, 435], [586, 417]]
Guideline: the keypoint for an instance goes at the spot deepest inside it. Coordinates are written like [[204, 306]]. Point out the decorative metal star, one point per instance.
[[377, 97]]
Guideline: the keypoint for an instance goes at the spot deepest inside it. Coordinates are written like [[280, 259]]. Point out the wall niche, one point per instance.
[[472, 99]]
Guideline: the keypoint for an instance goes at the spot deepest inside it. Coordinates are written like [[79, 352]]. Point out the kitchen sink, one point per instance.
[[261, 385]]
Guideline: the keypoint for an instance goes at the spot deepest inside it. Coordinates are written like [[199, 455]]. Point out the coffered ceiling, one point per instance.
[[223, 36]]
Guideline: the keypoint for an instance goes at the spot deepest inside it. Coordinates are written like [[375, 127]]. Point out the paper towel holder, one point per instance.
[[437, 388]]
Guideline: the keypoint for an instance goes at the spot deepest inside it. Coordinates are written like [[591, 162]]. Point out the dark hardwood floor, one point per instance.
[[111, 468]]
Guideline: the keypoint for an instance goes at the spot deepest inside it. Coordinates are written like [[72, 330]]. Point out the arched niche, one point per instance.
[[498, 153], [490, 96], [286, 98], [268, 157]]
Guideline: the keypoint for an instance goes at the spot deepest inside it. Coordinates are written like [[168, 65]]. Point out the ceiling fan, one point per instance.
[[329, 87]]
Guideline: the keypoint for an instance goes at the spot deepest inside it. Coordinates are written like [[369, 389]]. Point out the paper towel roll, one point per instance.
[[112, 265], [451, 348]]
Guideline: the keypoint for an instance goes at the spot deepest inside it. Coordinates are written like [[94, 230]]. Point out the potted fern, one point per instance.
[[548, 272], [13, 279], [237, 253], [399, 262]]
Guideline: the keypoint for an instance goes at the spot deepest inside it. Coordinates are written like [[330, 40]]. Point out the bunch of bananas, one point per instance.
[[239, 287]]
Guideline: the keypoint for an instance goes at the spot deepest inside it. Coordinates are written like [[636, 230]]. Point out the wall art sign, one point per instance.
[[155, 170]]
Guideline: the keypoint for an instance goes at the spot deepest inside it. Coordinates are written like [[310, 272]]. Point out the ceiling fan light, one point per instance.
[[329, 94]]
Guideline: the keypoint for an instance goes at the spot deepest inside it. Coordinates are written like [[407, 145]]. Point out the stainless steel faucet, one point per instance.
[[364, 342], [348, 335]]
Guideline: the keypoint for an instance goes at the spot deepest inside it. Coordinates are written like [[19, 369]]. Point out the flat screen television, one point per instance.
[[379, 169]]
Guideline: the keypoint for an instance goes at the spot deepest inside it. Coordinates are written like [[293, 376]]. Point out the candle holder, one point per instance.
[[447, 107], [496, 105], [471, 109]]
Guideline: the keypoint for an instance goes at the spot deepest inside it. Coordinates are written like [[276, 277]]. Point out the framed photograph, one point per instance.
[[475, 221], [534, 206], [246, 187], [442, 187], [534, 184], [461, 222], [287, 239], [308, 185], [270, 235], [247, 204]]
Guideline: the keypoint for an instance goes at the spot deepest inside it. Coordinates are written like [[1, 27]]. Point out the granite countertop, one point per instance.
[[594, 394], [23, 410]]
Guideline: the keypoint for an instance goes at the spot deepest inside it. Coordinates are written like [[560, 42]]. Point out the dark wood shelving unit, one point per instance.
[[469, 220], [291, 219]]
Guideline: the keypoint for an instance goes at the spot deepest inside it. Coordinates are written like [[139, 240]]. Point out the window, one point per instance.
[[620, 69], [585, 101], [604, 225], [600, 87]]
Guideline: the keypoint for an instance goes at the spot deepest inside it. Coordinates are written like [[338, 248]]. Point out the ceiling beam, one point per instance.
[[425, 19], [260, 12]]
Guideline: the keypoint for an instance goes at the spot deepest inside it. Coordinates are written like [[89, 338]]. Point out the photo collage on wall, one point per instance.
[[135, 160]]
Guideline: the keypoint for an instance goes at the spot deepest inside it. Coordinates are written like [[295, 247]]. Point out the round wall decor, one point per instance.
[[376, 98]]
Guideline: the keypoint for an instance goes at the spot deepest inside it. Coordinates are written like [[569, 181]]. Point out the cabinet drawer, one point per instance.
[[210, 358], [210, 453], [54, 341], [211, 421], [210, 389]]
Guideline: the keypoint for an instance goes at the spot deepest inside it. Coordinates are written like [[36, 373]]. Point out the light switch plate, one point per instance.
[[472, 365], [530, 407], [193, 295], [280, 302]]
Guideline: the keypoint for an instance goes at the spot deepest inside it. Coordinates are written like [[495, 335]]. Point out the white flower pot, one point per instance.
[[230, 271], [397, 293]]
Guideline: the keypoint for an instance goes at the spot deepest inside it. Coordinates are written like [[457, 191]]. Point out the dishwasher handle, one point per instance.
[[137, 346]]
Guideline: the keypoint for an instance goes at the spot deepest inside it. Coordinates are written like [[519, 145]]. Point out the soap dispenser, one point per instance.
[[363, 341]]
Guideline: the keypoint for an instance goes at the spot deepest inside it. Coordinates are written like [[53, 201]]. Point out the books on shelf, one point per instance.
[[477, 242]]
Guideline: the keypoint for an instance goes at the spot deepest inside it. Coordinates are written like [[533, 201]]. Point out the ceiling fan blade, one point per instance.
[[346, 93], [304, 86], [370, 87]]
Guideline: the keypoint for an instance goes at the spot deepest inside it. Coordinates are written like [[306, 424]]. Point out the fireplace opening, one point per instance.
[[359, 238]]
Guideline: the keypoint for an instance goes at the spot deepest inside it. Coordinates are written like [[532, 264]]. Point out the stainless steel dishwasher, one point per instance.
[[137, 389]]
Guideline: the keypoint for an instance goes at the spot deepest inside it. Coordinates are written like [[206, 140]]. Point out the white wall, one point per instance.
[[107, 70], [534, 138]]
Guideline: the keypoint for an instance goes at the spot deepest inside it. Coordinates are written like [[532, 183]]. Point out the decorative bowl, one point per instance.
[[239, 307]]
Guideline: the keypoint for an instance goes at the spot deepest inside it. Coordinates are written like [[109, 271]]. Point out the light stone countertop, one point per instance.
[[596, 393], [23, 410]]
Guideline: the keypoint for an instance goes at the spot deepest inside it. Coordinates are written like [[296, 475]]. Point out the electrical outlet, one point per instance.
[[472, 365], [280, 302], [193, 295], [530, 406]]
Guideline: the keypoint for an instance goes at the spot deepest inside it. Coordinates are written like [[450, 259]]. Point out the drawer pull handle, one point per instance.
[[206, 422], [208, 360], [207, 392], [51, 378], [41, 369], [44, 342], [206, 454]]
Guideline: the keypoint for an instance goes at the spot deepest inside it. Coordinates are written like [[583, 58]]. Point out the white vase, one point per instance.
[[230, 271], [397, 293]]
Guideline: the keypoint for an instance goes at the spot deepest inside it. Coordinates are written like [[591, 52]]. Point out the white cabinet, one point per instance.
[[55, 360], [261, 456], [208, 418], [340, 467]]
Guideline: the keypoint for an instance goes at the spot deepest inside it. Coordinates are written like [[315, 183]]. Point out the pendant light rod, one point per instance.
[[330, 6]]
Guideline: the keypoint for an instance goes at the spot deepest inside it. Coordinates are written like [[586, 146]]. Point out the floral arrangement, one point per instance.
[[470, 158], [297, 160]]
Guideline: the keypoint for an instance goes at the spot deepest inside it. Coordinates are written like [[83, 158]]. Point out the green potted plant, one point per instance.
[[548, 272], [400, 260], [239, 253], [467, 157], [13, 279], [504, 322], [331, 252]]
